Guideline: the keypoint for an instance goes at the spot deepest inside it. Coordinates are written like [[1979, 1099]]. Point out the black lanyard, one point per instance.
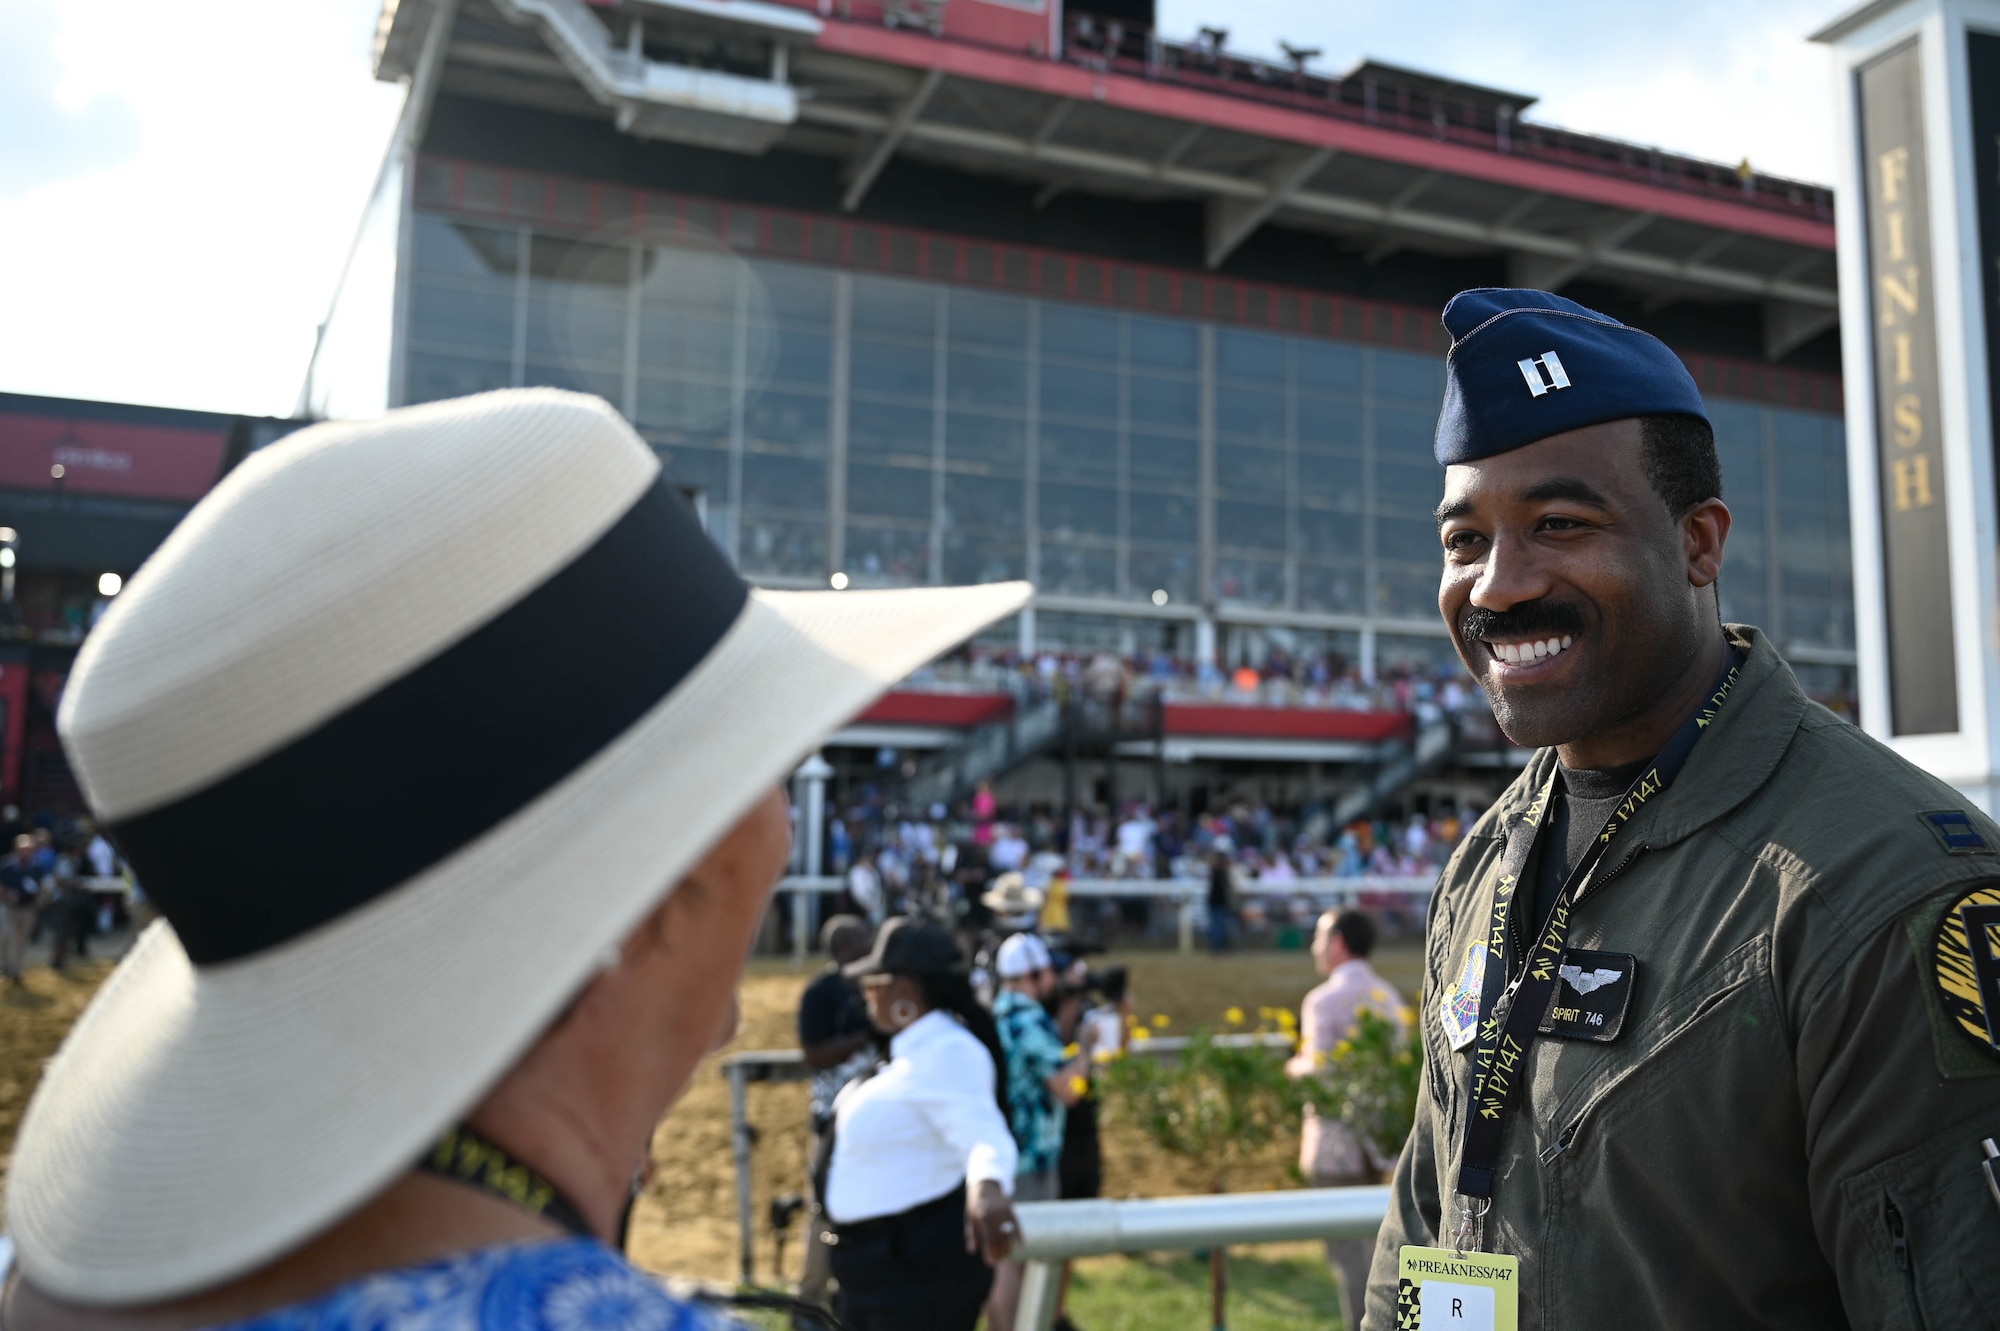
[[1511, 1012], [463, 1156]]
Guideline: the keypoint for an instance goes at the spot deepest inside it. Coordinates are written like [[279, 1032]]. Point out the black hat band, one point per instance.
[[433, 760]]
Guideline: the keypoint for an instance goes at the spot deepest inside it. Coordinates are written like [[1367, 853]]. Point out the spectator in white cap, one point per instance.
[[414, 1088], [1042, 1083]]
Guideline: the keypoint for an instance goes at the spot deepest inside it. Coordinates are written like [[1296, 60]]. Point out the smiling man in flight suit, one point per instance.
[[1754, 1057]]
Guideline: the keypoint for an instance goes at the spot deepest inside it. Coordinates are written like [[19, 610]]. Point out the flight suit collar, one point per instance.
[[1737, 754]]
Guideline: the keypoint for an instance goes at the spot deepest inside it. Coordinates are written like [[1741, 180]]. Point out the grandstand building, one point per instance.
[[928, 291], [87, 491]]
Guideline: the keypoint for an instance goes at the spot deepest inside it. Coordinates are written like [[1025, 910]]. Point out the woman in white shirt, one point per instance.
[[921, 1159]]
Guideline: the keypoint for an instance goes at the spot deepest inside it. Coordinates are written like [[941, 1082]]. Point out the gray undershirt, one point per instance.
[[1580, 806]]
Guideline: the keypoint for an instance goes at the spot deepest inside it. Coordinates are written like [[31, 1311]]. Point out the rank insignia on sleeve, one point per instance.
[[1965, 963], [1458, 1007], [1955, 832]]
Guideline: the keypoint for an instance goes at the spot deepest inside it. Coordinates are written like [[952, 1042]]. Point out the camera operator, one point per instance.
[[839, 1044], [1090, 1009]]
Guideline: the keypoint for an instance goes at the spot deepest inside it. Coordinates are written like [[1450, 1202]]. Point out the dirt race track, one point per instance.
[[686, 1223]]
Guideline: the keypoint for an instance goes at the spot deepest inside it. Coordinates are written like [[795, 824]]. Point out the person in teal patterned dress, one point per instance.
[[1043, 1081]]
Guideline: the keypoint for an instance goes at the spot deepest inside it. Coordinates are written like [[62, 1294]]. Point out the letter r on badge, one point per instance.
[[1547, 364]]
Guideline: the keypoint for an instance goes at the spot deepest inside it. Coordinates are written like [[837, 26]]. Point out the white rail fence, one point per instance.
[[776, 1066], [1053, 1232], [1190, 894]]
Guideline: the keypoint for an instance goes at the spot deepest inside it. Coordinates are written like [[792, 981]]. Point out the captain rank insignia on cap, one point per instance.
[[1580, 366], [1965, 964], [1548, 364]]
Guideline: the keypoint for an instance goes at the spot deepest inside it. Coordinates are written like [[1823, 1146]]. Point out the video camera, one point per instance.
[[1104, 985]]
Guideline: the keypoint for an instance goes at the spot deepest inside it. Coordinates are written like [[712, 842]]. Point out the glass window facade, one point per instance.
[[906, 432]]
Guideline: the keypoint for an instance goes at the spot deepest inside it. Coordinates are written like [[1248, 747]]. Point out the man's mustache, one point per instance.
[[1530, 619]]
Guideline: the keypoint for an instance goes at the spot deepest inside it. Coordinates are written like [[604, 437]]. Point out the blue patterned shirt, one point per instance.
[[1034, 1051], [573, 1285]]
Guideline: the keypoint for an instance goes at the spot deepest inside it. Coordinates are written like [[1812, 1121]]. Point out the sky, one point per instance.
[[179, 183]]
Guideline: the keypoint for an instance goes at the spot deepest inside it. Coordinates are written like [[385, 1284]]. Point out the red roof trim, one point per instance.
[[473, 190], [960, 711], [1189, 719], [1187, 104]]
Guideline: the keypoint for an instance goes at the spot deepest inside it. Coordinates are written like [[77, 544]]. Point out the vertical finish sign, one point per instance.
[[1916, 558], [1983, 62]]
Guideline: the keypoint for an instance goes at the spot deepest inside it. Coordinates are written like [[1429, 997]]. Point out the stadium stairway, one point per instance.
[[984, 753], [1435, 743]]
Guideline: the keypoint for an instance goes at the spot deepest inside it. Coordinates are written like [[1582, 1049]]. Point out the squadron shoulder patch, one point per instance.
[[1458, 1007], [1965, 964], [1955, 832]]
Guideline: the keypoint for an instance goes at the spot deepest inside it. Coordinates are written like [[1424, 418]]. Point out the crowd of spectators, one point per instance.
[[59, 879], [1263, 844], [1424, 689], [938, 861], [1281, 679]]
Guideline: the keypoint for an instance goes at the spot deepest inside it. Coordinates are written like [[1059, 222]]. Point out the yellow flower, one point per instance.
[[1078, 1086], [1407, 1015], [1159, 1021], [1379, 994], [1141, 1033], [1072, 1050], [1344, 1049], [1234, 1016], [1287, 1020]]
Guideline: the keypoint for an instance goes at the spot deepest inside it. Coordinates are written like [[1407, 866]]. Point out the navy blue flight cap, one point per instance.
[[1527, 364]]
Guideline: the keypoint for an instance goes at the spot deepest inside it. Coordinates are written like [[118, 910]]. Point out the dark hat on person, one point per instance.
[[1527, 364], [906, 946]]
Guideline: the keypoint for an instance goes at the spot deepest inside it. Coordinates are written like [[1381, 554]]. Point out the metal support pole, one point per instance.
[[1187, 924], [1041, 1283], [810, 779], [802, 906], [739, 1122]]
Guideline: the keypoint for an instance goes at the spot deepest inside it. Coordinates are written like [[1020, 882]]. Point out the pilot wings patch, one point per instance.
[[1590, 1002], [1588, 982]]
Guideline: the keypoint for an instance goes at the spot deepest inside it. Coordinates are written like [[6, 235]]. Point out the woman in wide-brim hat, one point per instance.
[[919, 1167], [450, 748], [1014, 903]]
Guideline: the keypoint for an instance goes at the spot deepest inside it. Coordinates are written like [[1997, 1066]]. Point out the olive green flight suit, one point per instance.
[[1786, 1131]]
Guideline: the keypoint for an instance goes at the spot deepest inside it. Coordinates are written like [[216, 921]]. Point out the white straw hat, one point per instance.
[[404, 726], [1011, 895]]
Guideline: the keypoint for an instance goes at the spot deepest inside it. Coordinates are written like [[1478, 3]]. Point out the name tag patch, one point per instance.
[[1591, 996]]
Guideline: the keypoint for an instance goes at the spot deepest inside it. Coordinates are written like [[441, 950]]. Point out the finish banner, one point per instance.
[[1983, 62], [1916, 557]]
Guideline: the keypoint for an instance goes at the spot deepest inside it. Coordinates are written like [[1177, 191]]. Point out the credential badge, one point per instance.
[[1544, 373]]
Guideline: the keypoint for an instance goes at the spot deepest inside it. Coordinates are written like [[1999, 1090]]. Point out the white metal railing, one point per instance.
[[1053, 1232], [787, 1065], [1190, 893]]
